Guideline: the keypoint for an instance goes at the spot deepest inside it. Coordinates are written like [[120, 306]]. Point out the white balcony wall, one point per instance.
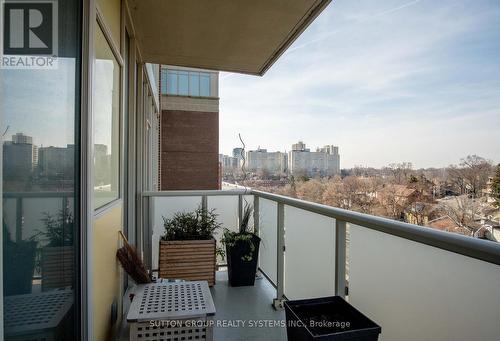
[[268, 219], [310, 254], [32, 213], [226, 207], [35, 209], [419, 292]]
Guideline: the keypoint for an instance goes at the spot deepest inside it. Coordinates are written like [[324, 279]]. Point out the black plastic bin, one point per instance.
[[328, 318]]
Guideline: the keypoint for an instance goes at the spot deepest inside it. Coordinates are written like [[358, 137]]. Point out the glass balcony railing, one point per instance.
[[416, 282]]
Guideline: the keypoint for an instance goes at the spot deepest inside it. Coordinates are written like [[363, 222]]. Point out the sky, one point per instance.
[[39, 103], [386, 81]]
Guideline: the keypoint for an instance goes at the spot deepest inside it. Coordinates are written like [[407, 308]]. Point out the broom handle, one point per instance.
[[123, 236]]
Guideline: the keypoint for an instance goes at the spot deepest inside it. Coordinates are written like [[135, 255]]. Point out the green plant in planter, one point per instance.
[[245, 234], [201, 224], [58, 229], [242, 250], [188, 248]]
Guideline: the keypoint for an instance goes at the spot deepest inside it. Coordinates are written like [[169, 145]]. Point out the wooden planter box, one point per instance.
[[58, 267], [192, 260]]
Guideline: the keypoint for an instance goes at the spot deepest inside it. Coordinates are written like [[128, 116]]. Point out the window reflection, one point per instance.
[[38, 111], [106, 111]]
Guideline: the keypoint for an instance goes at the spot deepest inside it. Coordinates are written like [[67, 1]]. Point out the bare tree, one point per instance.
[[476, 170], [394, 200], [471, 176], [463, 211], [365, 196], [400, 171], [336, 195], [495, 186], [311, 190], [353, 193]]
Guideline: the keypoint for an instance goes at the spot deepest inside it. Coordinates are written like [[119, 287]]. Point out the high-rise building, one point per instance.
[[56, 162], [228, 162], [17, 160], [324, 162], [189, 129], [238, 153], [18, 156], [20, 138], [261, 160], [299, 146]]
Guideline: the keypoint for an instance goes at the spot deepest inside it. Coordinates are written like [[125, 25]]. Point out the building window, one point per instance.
[[185, 83], [106, 111], [194, 84], [204, 84], [171, 82]]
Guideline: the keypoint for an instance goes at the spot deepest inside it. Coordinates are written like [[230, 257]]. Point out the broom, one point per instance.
[[132, 263]]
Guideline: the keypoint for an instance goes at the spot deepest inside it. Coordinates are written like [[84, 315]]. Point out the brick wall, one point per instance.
[[189, 150]]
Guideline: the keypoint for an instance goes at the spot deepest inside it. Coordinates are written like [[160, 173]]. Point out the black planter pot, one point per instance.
[[242, 272], [328, 318], [19, 265]]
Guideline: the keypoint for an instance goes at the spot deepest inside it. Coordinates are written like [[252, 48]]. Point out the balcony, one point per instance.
[[416, 282]]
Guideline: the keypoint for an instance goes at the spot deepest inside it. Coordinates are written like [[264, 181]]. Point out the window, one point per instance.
[[185, 83], [171, 82], [194, 84], [204, 84], [106, 112]]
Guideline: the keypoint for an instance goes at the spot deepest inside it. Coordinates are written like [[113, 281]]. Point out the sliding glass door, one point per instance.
[[40, 112]]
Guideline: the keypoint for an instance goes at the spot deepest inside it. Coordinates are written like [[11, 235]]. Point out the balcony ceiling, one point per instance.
[[245, 36]]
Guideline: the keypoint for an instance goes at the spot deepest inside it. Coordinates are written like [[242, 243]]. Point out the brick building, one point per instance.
[[189, 129]]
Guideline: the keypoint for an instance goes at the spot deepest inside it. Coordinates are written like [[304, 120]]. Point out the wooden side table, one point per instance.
[[172, 311]]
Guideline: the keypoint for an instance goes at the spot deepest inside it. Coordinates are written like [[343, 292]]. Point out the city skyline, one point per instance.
[[387, 82]]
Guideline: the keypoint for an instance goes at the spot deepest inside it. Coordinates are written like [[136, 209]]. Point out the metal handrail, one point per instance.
[[487, 251], [197, 193], [472, 247], [30, 195]]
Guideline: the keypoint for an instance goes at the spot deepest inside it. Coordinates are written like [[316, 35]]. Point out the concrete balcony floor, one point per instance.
[[249, 304]]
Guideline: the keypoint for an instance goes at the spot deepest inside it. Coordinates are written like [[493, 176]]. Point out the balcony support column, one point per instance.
[[280, 285], [340, 258]]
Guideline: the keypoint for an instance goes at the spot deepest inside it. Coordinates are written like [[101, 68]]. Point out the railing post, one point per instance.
[[204, 202], [256, 214], [280, 290], [340, 258]]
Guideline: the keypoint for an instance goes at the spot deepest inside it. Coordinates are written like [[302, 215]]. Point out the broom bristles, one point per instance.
[[132, 263]]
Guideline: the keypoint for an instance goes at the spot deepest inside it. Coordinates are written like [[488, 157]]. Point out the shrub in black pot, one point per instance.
[[242, 252]]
